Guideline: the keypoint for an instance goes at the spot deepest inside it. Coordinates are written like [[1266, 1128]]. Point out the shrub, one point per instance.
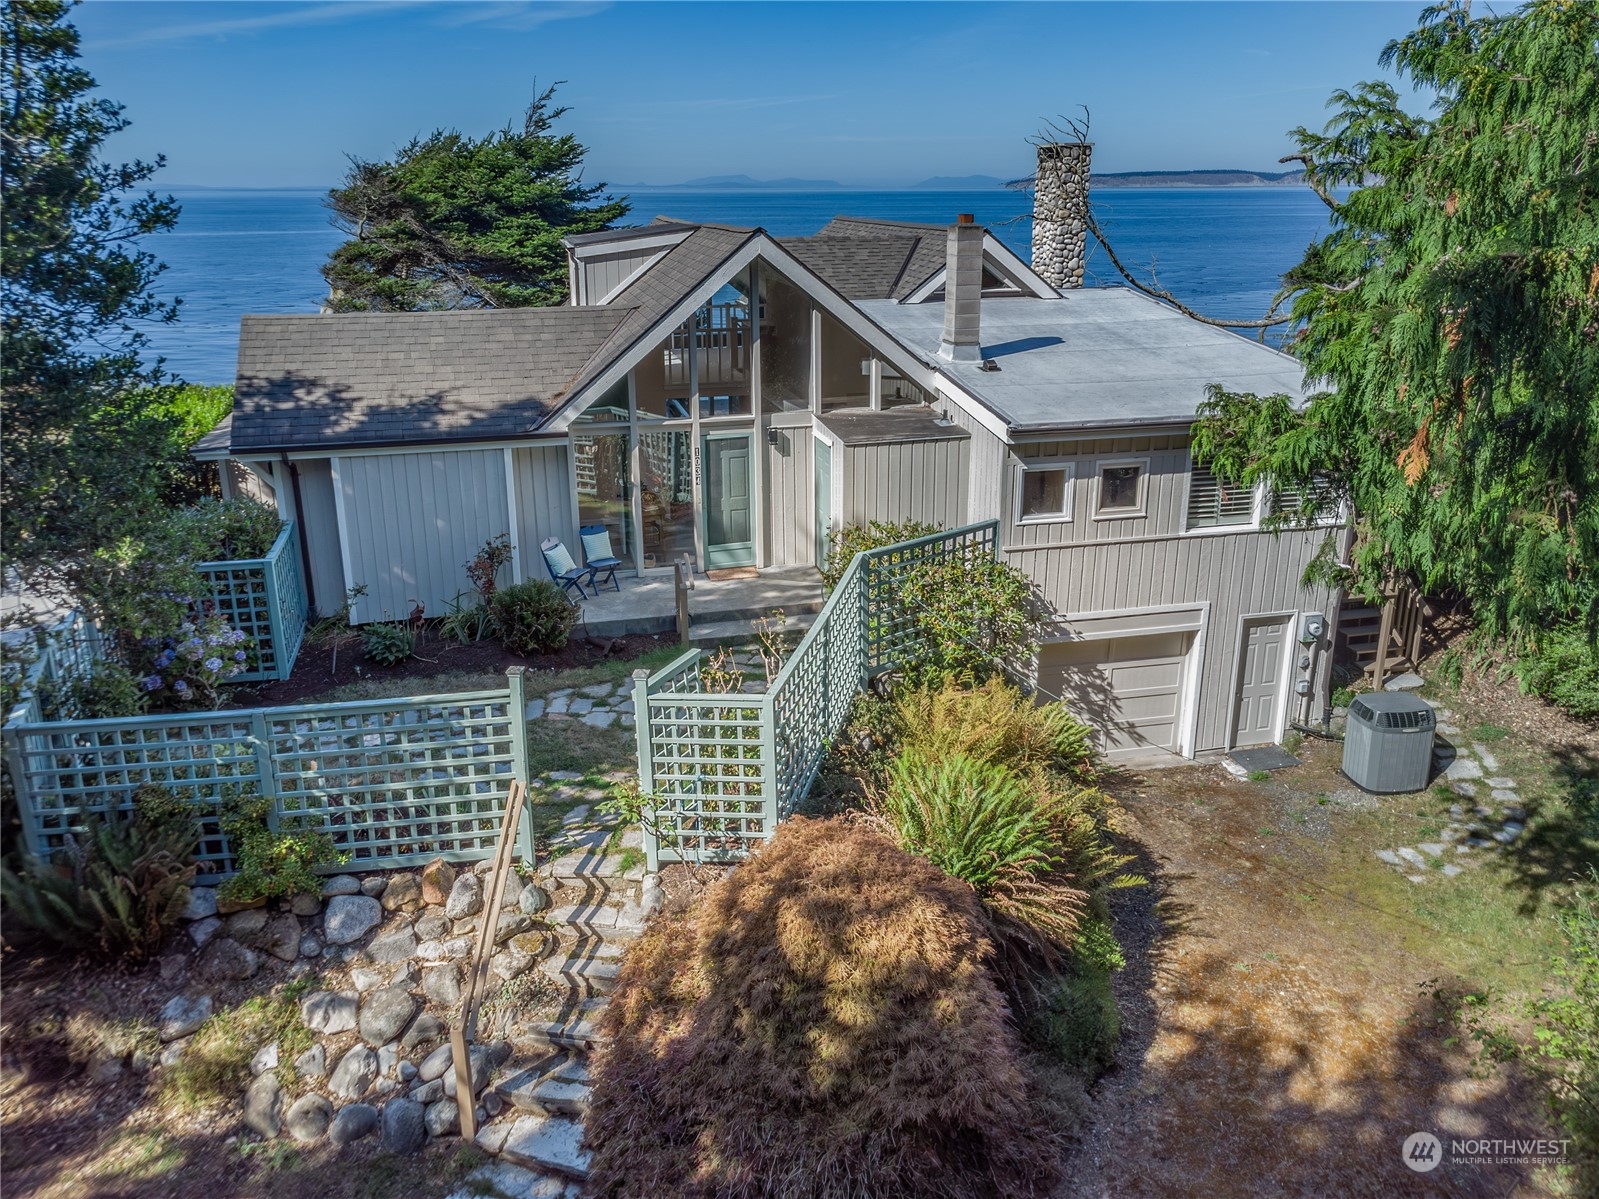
[[993, 830], [1563, 668], [213, 530], [108, 690], [467, 620], [845, 543], [821, 1025], [272, 862], [993, 723], [484, 568], [1077, 1021], [976, 616], [534, 617], [388, 644], [187, 668], [119, 887]]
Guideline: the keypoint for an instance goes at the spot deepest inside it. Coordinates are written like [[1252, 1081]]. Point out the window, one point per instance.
[[1316, 504], [1214, 502], [1120, 493], [1044, 492]]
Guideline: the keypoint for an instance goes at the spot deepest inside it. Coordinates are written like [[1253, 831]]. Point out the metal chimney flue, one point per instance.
[[1060, 212], [963, 292]]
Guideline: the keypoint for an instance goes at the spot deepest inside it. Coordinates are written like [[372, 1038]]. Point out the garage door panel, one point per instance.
[[1128, 688]]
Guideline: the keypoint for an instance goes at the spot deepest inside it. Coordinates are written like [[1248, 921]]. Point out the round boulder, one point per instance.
[[353, 1121], [308, 1118], [404, 1126], [349, 918]]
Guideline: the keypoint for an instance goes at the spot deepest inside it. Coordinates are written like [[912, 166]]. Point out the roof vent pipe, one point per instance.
[[1060, 212], [963, 291]]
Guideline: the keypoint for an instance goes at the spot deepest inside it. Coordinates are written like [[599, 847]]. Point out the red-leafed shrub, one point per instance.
[[822, 1024]]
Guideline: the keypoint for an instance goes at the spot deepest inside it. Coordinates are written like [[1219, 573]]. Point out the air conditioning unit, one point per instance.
[[1388, 742]]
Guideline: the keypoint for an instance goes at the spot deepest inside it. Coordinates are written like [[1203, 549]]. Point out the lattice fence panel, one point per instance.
[[396, 783], [709, 770], [71, 768], [265, 597]]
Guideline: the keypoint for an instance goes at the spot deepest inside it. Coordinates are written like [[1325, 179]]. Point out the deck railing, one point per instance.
[[723, 769], [395, 782], [266, 598]]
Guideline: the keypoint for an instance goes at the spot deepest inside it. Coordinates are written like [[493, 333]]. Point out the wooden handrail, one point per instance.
[[477, 973]]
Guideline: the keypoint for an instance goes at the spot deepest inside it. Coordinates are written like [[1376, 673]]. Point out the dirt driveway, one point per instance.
[[1279, 1037]]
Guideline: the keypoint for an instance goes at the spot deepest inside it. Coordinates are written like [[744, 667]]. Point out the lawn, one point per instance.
[[1281, 1035]]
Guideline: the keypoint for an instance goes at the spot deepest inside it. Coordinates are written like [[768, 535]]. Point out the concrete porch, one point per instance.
[[718, 611]]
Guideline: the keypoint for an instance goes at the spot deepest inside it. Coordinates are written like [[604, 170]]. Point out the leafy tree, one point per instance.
[[1454, 311], [75, 463], [458, 222]]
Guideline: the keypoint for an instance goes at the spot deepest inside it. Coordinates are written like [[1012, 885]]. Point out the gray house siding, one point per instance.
[[319, 525], [604, 273], [414, 520], [1165, 489], [1237, 574], [987, 467], [917, 480], [543, 504], [790, 502]]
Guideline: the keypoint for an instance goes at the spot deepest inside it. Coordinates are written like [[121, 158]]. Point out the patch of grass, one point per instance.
[[1268, 832], [1259, 776], [134, 1155], [630, 857], [215, 1067], [573, 745], [1489, 732]]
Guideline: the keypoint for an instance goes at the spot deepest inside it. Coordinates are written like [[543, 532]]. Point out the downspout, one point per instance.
[[299, 519]]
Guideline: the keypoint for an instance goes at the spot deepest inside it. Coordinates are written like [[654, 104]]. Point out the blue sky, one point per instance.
[[260, 94]]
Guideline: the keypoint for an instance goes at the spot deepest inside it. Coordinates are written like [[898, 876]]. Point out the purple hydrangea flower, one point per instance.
[[239, 655], [164, 659], [213, 664], [150, 682]]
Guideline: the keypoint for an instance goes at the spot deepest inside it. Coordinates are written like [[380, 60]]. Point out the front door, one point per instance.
[[1260, 680], [729, 521]]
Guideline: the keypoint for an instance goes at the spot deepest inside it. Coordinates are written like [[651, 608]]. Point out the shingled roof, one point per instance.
[[351, 379], [867, 259]]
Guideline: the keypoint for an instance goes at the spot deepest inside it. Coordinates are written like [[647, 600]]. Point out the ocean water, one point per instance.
[[1220, 250]]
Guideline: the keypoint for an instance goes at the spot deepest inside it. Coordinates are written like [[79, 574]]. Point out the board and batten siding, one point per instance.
[[412, 521], [604, 273], [790, 500], [1236, 574], [906, 480], [319, 525], [543, 504], [987, 470]]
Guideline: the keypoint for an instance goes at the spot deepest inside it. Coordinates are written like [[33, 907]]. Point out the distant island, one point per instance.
[[1219, 178], [977, 183]]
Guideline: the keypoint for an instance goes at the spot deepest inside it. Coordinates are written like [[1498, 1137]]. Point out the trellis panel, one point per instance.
[[265, 597], [723, 770]]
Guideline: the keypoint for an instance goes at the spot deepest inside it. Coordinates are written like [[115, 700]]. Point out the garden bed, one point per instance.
[[321, 672]]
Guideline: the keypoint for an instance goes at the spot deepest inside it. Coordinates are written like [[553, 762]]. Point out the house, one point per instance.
[[728, 396]]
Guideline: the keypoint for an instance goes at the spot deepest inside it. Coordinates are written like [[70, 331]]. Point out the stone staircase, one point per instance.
[[597, 910]]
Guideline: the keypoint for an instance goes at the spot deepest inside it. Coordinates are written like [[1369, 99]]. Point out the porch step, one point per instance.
[[741, 629], [588, 865], [575, 1032]]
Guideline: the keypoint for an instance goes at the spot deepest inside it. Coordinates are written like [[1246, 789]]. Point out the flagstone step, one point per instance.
[[548, 1143]]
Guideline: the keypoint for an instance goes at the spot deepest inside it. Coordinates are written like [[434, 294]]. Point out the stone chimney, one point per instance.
[[1060, 211], [963, 291]]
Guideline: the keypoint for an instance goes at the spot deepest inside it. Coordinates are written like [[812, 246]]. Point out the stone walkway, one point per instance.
[[606, 704], [1489, 817]]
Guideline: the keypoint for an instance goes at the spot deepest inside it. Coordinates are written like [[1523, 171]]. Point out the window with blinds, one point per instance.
[[1293, 502], [1213, 502]]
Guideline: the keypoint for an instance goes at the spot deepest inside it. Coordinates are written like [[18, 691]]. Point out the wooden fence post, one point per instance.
[[646, 760]]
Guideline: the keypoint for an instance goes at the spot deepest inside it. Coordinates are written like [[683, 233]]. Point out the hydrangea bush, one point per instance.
[[185, 669]]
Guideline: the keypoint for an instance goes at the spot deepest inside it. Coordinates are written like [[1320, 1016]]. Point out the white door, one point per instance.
[[1260, 680], [1129, 688]]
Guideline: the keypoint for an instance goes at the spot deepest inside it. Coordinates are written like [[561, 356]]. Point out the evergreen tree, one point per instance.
[[79, 445], [455, 222], [1453, 311]]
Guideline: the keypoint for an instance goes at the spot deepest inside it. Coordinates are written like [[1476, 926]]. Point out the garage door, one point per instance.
[[1128, 688]]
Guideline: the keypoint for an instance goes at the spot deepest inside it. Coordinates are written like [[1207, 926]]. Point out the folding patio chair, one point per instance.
[[558, 561], [597, 553]]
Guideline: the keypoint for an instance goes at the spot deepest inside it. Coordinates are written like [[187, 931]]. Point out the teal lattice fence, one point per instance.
[[724, 769], [395, 782], [46, 661], [266, 598]]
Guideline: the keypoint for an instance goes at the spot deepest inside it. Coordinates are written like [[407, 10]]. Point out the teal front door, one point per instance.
[[729, 511]]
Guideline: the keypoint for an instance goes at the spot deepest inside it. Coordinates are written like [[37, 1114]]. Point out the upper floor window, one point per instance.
[[1314, 504], [1045, 492], [1120, 492], [1213, 501]]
